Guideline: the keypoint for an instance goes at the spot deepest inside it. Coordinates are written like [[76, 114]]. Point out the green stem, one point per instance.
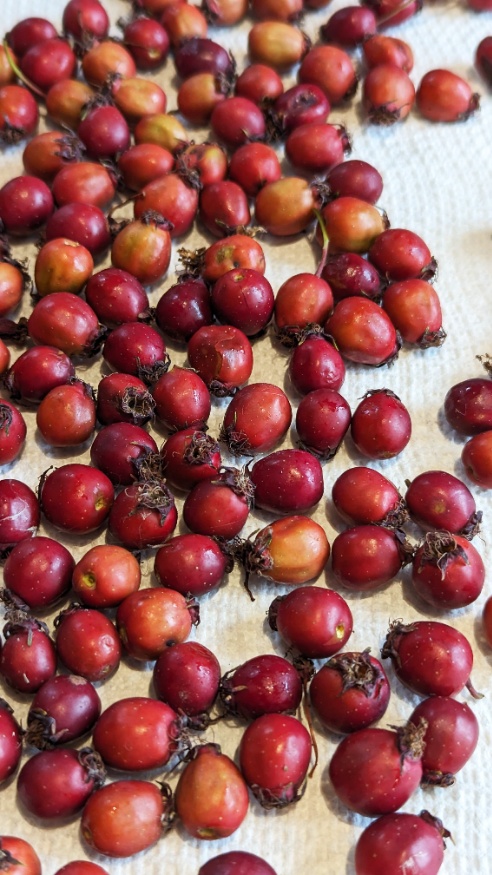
[[326, 243], [18, 72]]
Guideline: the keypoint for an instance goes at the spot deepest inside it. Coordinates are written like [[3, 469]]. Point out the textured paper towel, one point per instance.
[[437, 182]]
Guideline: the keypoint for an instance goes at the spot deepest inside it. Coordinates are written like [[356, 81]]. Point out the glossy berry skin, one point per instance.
[[47, 62], [316, 147], [399, 254], [302, 300], [223, 357], [180, 23], [143, 515], [381, 49], [468, 406], [13, 431], [207, 816], [375, 771], [66, 417], [332, 68], [238, 250], [390, 12], [87, 643], [153, 619], [64, 708], [439, 500], [349, 26], [380, 426], [315, 621], [19, 114], [199, 55], [66, 321], [236, 121], [12, 285], [443, 96], [76, 498], [363, 332], [219, 507], [322, 420], [193, 564], [26, 203], [132, 347], [349, 692], [287, 481], [388, 94], [10, 741], [104, 132], [187, 677], [123, 398], [447, 571], [116, 296], [450, 738], [85, 17], [124, 818], [24, 853], [302, 104], [316, 364], [105, 575], [293, 549], [28, 32], [173, 199], [57, 783], [366, 557], [143, 163], [81, 867], [401, 840], [274, 757], [148, 42], [476, 457], [224, 207], [190, 456], [182, 399], [65, 101], [19, 512], [107, 57], [414, 308], [143, 248], [278, 44], [28, 656], [352, 224], [135, 734], [197, 96], [257, 419], [356, 178], [4, 358], [286, 206], [487, 621], [38, 571], [243, 298], [62, 265], [363, 495], [253, 165], [482, 59], [183, 309], [349, 273], [264, 684], [236, 863], [118, 449], [429, 657], [257, 82], [84, 182]]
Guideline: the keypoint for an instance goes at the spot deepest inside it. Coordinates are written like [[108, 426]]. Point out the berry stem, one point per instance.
[[18, 72]]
